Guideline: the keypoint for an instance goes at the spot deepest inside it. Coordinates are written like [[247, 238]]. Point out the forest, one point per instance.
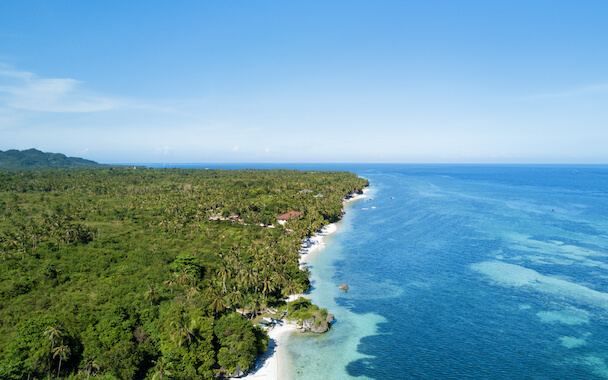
[[117, 273]]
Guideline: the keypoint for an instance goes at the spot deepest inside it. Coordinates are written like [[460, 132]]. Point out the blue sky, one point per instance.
[[309, 81]]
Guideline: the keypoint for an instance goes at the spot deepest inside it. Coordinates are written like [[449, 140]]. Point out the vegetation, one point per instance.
[[150, 274], [35, 159]]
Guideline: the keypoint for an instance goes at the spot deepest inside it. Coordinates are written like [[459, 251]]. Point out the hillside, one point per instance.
[[35, 159]]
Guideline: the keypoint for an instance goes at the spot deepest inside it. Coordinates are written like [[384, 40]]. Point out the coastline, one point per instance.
[[271, 365], [268, 365]]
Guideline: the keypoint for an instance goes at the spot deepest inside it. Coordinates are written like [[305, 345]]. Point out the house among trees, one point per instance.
[[288, 216]]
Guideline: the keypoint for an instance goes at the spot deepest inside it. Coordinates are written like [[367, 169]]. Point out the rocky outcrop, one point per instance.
[[316, 324], [237, 373], [343, 287]]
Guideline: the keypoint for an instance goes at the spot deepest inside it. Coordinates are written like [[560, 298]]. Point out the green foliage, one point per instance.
[[323, 313], [188, 263], [238, 344], [186, 342], [302, 309], [138, 269], [30, 348]]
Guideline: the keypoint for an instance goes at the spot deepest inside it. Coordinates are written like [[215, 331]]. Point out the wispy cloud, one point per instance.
[[164, 150], [26, 91], [576, 92]]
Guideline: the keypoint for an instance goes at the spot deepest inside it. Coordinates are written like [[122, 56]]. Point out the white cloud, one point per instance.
[[235, 148], [26, 91]]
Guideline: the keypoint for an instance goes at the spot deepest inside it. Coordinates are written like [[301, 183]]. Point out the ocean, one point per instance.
[[463, 272]]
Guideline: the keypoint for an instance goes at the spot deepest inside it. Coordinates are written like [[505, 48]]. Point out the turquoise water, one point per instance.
[[479, 272], [464, 272]]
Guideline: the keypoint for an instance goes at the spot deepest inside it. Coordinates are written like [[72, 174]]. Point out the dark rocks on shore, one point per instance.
[[343, 287], [236, 374], [316, 324]]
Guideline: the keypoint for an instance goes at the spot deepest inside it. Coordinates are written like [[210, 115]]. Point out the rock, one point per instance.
[[330, 318], [307, 324], [237, 373], [316, 325], [343, 287], [321, 328]]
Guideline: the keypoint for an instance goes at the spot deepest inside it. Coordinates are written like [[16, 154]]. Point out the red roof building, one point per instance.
[[289, 215]]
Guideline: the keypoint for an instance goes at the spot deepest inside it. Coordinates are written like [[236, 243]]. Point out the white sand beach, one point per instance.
[[268, 366], [315, 243]]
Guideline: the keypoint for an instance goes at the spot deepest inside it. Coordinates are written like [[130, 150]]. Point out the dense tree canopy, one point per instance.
[[139, 274]]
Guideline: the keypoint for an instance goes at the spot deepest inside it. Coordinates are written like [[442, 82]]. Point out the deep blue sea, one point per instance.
[[463, 272]]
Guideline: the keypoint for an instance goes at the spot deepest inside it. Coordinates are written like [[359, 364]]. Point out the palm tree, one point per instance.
[[63, 352], [53, 334], [216, 299], [255, 303], [267, 284], [183, 328], [192, 291], [234, 298], [91, 364], [170, 282], [185, 278], [290, 288], [223, 272], [151, 294]]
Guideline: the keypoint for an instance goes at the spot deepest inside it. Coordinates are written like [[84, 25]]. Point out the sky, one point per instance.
[[306, 81]]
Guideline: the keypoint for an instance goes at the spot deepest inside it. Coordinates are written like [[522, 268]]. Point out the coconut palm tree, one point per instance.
[[291, 287], [53, 334], [223, 272], [184, 278], [255, 304], [171, 282], [151, 294], [216, 299], [183, 328], [91, 364], [191, 291], [267, 283], [234, 298], [63, 351]]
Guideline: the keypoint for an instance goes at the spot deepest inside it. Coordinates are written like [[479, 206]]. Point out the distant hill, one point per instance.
[[35, 159]]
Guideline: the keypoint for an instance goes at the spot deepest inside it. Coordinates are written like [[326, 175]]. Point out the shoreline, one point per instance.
[[271, 364], [268, 365]]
